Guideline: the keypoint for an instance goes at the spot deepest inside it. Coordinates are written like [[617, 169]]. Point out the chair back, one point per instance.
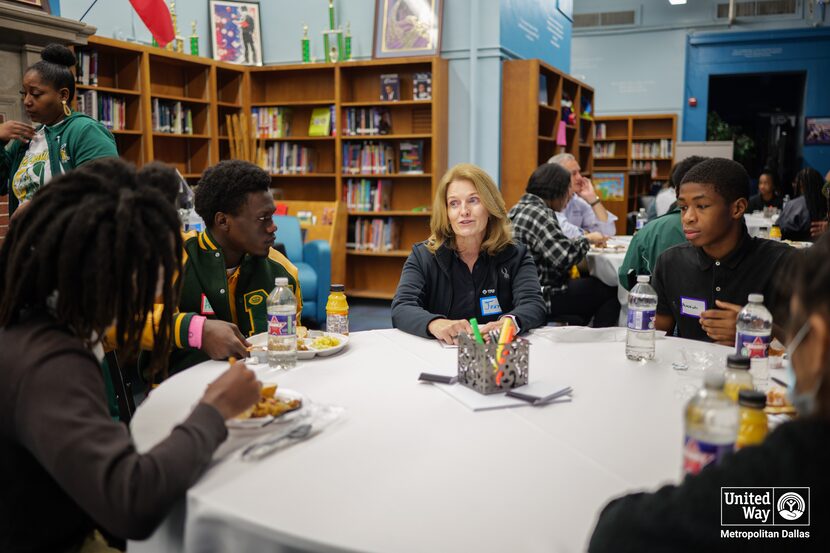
[[290, 235], [121, 387]]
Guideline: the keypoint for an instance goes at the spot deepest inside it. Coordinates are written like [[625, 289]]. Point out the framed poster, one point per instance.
[[407, 28], [235, 32], [609, 186], [816, 130]]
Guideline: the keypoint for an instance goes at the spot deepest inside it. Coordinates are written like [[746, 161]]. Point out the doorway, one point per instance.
[[763, 112]]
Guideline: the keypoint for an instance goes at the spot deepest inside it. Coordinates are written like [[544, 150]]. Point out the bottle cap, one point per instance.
[[756, 298], [337, 288], [643, 278], [713, 379], [752, 398], [736, 361], [281, 281]]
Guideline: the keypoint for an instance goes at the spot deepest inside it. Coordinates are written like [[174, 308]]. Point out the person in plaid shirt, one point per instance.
[[535, 224]]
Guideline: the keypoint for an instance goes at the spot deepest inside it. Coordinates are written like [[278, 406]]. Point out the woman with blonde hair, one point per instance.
[[469, 267]]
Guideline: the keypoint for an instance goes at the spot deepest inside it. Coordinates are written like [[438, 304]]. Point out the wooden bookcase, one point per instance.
[[630, 136], [212, 90], [531, 115]]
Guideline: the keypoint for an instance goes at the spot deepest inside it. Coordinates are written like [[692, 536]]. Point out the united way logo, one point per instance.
[[791, 506]]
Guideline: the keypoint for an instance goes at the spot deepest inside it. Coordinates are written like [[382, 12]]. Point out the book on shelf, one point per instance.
[[600, 131], [368, 158], [390, 87], [320, 122], [376, 235], [422, 86], [172, 117], [543, 89], [367, 121], [327, 216], [412, 157], [604, 149], [272, 122], [645, 166], [368, 195], [110, 110], [653, 149], [86, 67], [289, 158]]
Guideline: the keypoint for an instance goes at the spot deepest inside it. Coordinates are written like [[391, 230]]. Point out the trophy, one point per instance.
[[347, 44], [194, 40], [177, 44], [306, 45], [332, 40]]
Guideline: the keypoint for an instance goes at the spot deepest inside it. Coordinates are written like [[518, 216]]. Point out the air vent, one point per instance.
[[759, 8], [604, 19]]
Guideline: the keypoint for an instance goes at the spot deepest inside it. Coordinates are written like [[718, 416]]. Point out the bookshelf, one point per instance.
[[641, 145], [534, 120], [197, 94]]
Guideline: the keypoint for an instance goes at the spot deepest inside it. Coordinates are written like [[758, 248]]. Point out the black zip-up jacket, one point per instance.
[[425, 291]]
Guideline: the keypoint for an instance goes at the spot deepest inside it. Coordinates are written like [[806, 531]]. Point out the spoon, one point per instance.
[[261, 449]]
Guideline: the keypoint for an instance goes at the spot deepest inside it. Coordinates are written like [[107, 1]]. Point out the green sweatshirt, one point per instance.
[[649, 242], [71, 143]]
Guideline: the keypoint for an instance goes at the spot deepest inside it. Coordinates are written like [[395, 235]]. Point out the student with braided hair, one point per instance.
[[90, 252], [61, 140]]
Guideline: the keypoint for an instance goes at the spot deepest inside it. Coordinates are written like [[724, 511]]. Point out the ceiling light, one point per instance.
[[677, 2]]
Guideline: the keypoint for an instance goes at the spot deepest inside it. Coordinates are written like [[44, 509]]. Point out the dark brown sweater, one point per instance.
[[65, 465]]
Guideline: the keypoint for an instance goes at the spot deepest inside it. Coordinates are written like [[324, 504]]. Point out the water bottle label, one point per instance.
[[640, 224], [281, 325], [752, 346], [697, 454], [641, 319]]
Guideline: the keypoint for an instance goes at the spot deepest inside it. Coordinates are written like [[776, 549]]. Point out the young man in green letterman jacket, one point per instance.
[[229, 269]]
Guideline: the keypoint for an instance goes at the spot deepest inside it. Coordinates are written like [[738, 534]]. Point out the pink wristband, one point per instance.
[[194, 331]]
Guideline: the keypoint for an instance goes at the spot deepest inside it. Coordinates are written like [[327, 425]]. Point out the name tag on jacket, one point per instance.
[[692, 307]]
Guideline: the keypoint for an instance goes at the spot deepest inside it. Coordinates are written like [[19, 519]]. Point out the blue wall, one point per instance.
[[805, 50], [537, 29]]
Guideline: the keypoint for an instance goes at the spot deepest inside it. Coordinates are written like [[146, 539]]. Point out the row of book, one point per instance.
[[368, 158], [368, 195], [367, 121], [646, 166], [172, 117], [86, 67], [604, 149], [272, 122], [111, 111], [288, 158], [600, 131], [652, 150], [378, 235]]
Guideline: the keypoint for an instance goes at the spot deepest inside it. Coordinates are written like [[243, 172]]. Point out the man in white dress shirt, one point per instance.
[[585, 210]]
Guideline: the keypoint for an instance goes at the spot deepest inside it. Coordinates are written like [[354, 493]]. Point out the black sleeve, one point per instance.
[[65, 424], [658, 282], [409, 305], [528, 304]]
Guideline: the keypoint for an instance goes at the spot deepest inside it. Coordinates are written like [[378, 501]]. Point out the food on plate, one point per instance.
[[302, 334], [777, 401], [325, 342], [270, 404]]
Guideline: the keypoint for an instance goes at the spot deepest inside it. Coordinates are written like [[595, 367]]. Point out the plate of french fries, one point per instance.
[[274, 403], [310, 343]]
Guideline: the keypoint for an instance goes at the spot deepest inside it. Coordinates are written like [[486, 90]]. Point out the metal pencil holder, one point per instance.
[[477, 368]]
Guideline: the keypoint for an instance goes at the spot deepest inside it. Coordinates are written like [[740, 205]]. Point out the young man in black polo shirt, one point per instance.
[[703, 284]]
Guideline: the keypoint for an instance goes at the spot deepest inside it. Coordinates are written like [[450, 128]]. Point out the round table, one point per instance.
[[409, 468], [755, 222]]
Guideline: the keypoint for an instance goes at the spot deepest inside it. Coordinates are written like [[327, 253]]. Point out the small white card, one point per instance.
[[692, 307]]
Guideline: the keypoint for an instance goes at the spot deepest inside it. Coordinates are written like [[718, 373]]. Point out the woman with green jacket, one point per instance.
[[60, 141]]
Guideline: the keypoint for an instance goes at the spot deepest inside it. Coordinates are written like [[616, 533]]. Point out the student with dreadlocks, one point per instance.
[[230, 267], [91, 252], [63, 139]]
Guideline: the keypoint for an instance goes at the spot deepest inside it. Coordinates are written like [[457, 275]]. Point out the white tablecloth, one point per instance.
[[409, 468], [756, 221], [605, 265]]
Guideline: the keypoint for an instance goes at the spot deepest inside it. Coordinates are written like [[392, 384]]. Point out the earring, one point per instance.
[[66, 109]]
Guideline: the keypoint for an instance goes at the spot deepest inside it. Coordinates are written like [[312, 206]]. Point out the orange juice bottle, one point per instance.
[[753, 428], [337, 310]]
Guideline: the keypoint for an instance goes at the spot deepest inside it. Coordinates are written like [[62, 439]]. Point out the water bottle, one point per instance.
[[753, 336], [642, 219], [785, 201], [282, 326], [642, 308], [337, 310], [712, 421]]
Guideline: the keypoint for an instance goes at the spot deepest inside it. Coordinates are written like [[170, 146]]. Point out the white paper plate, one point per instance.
[[259, 422], [261, 340]]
